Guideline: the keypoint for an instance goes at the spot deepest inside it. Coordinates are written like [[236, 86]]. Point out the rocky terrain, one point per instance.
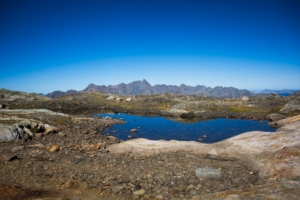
[[58, 93], [51, 155], [9, 95], [143, 87], [168, 104]]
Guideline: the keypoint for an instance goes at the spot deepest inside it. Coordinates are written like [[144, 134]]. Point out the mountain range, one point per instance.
[[143, 87]]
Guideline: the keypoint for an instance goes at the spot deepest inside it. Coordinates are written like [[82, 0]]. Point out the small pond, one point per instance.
[[156, 128]]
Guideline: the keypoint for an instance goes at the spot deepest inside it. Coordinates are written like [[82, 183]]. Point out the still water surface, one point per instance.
[[156, 128]]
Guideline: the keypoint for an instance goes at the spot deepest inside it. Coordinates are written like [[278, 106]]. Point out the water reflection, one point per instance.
[[157, 127]]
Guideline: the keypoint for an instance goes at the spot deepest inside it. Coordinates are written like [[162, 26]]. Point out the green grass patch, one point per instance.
[[239, 109]]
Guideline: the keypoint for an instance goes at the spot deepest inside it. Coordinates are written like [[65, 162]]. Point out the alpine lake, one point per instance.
[[161, 128]]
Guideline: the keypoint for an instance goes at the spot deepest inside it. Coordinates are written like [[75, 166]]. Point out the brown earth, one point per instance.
[[76, 160]]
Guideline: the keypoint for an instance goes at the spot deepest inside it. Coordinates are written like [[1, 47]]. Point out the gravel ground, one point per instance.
[[76, 158]]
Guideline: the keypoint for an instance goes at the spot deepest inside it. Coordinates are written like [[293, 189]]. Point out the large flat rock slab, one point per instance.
[[145, 146]]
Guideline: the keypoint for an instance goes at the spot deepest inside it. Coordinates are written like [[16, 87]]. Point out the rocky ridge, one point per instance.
[[143, 87], [11, 96], [61, 93]]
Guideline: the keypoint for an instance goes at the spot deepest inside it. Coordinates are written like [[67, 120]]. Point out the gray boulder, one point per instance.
[[7, 134]]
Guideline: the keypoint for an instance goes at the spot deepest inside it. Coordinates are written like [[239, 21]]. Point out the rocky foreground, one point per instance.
[[50, 155], [71, 159]]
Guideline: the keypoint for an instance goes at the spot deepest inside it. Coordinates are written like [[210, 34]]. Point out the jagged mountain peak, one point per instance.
[[144, 87], [145, 81]]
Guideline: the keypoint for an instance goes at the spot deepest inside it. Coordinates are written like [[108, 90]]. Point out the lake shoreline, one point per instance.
[[161, 128]]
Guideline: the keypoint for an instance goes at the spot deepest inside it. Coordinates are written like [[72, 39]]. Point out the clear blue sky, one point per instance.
[[48, 45]]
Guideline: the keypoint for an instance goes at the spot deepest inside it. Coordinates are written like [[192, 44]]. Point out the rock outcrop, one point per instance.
[[8, 96], [26, 129], [291, 106], [283, 122], [275, 117]]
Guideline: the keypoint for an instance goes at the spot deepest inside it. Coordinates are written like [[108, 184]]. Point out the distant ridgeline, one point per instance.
[[143, 87], [279, 92]]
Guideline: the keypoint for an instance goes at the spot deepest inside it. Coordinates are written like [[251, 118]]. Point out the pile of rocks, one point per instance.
[[24, 130]]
